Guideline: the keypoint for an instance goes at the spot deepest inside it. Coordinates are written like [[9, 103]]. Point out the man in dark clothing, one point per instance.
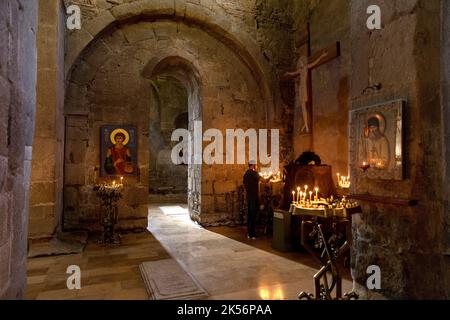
[[251, 184]]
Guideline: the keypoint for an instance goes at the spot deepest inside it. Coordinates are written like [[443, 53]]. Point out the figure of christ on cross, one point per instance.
[[302, 92], [303, 87]]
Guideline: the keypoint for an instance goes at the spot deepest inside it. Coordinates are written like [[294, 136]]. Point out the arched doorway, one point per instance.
[[168, 112], [111, 83], [176, 71]]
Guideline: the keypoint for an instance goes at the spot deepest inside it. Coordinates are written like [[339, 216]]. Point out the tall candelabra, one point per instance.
[[109, 195]]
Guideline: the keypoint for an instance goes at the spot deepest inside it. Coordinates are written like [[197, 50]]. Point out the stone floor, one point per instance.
[[226, 264]]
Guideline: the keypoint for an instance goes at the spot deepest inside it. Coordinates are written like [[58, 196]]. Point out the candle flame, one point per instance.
[[264, 294]]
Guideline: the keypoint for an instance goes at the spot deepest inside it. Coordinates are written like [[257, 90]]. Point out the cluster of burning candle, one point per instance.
[[343, 181], [373, 163], [302, 200], [301, 197], [275, 178], [115, 185]]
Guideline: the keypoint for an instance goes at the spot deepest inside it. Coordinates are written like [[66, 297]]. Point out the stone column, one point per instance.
[[18, 23], [48, 152]]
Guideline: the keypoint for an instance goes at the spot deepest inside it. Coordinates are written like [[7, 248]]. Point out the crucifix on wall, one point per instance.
[[303, 84]]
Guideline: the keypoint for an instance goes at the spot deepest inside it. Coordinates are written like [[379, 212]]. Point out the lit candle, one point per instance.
[[301, 196], [298, 194], [121, 180], [114, 182], [310, 196], [317, 195]]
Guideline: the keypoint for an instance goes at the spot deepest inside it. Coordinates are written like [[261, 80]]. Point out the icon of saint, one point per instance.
[[118, 157], [374, 147]]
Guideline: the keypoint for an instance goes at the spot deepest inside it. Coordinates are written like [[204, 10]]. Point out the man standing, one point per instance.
[[251, 184]]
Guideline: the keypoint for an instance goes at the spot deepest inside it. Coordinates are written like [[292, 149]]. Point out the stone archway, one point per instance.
[[184, 71], [207, 15], [111, 82]]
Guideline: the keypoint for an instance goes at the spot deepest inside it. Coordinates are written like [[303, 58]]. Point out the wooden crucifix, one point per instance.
[[303, 85]]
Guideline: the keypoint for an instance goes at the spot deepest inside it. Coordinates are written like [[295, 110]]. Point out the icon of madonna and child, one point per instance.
[[118, 151]]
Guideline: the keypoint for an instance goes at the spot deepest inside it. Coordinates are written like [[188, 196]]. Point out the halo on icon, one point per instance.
[[122, 131]]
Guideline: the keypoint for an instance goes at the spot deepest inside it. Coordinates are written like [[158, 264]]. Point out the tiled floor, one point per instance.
[[106, 273], [226, 268]]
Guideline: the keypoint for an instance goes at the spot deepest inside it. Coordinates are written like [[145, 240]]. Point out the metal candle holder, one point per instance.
[[109, 195]]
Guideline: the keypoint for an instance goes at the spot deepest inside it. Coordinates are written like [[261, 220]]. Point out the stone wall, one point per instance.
[[231, 23], [280, 29], [47, 166], [406, 242], [18, 24], [107, 86], [329, 22], [260, 31], [445, 102], [169, 111], [445, 109]]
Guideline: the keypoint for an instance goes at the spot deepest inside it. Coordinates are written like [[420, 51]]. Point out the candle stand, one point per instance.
[[109, 195], [324, 233]]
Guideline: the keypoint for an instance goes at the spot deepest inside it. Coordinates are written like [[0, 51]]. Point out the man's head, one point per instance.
[[119, 138], [252, 165]]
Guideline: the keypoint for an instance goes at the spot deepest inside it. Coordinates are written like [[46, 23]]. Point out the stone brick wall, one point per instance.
[[236, 17], [18, 22], [445, 107], [47, 166], [104, 66], [280, 26], [107, 86], [329, 22], [169, 111], [268, 30], [406, 242]]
